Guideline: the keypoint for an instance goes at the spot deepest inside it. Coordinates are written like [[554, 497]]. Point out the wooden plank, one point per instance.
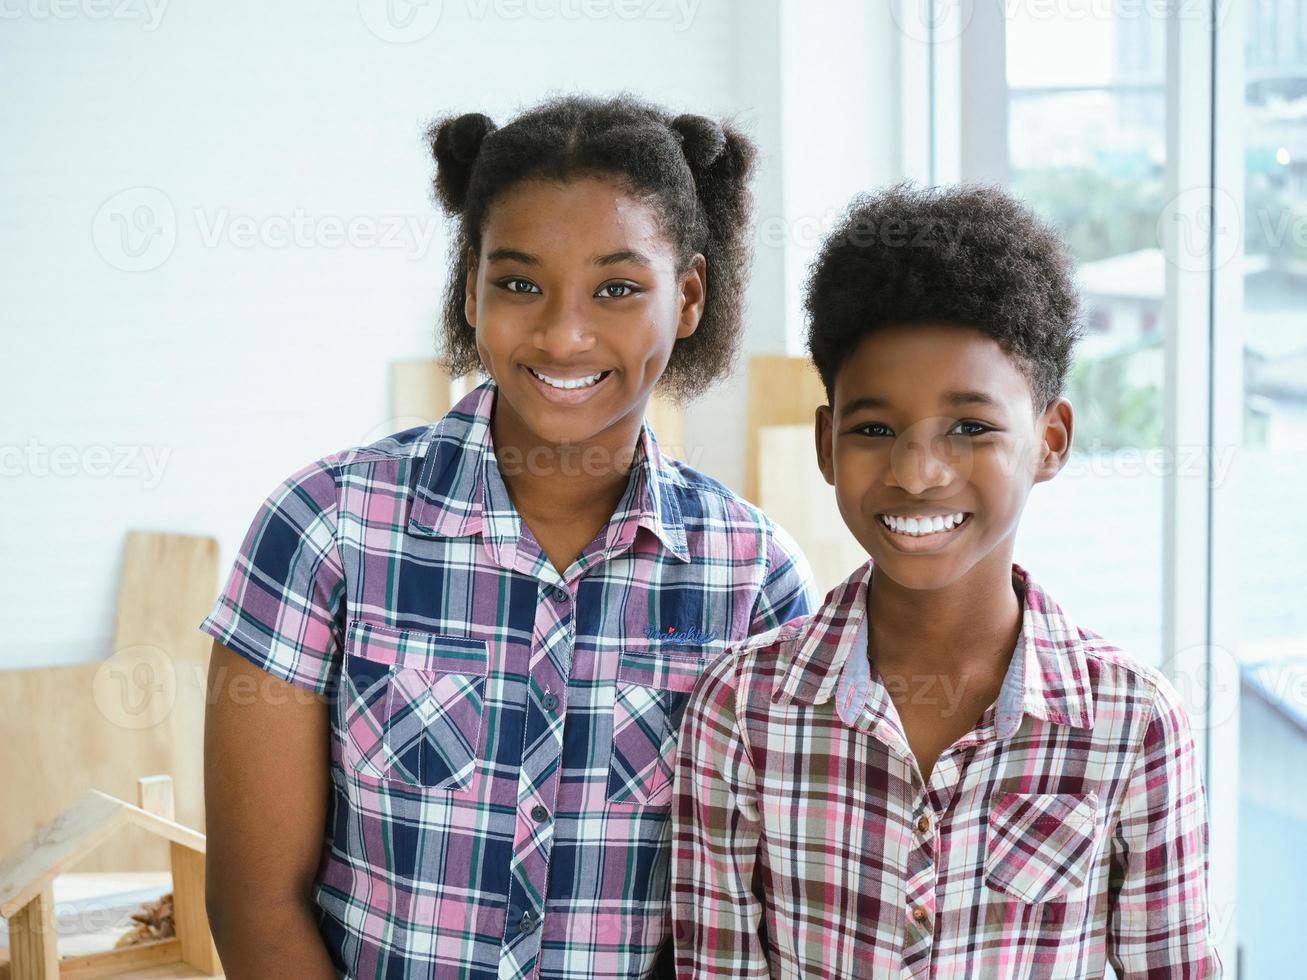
[[795, 495], [119, 962], [419, 389], [105, 724], [782, 391], [33, 941], [667, 420], [190, 918], [154, 795]]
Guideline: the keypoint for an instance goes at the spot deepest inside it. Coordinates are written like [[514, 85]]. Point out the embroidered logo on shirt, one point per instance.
[[673, 635]]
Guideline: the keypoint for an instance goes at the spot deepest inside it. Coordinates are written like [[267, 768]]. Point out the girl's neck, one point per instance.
[[966, 628], [561, 483]]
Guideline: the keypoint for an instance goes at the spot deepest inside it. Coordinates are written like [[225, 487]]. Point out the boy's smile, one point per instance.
[[932, 445]]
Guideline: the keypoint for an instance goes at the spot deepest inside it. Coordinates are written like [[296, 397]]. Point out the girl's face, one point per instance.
[[576, 301]]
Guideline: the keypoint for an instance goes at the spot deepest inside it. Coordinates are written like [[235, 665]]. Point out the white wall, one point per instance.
[[168, 380]]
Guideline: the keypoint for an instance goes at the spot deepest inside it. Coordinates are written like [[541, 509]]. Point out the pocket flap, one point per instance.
[[417, 649], [1039, 845], [666, 670]]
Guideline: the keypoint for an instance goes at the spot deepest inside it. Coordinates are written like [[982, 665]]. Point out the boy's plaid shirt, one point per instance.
[[1065, 831], [502, 738]]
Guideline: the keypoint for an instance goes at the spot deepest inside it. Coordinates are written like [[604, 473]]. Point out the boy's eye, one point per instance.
[[515, 285], [615, 290], [978, 425], [874, 425]]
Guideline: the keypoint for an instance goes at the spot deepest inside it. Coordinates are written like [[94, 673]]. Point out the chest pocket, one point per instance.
[[413, 702], [652, 689], [1040, 847]]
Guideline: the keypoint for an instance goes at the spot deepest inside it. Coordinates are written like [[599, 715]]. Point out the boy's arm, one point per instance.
[[1158, 924], [715, 914], [788, 591]]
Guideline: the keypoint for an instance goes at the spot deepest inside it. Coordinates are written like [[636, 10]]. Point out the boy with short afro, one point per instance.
[[939, 773]]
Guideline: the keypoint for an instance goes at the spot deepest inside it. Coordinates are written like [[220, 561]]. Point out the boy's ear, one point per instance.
[[694, 286], [470, 290], [1054, 428], [825, 433]]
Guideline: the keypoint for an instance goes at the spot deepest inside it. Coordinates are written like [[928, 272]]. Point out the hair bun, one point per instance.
[[702, 140], [455, 144]]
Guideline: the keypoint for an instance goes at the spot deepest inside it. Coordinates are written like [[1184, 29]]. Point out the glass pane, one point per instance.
[[1087, 142], [1272, 534]]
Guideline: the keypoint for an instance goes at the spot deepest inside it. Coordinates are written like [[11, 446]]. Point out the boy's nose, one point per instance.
[[918, 465]]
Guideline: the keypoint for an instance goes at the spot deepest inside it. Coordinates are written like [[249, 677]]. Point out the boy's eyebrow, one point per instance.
[[952, 398], [512, 255], [626, 255]]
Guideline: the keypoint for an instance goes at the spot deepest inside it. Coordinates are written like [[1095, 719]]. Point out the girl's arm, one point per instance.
[[266, 772]]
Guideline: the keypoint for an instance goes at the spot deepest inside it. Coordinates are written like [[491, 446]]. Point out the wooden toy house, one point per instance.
[[27, 894]]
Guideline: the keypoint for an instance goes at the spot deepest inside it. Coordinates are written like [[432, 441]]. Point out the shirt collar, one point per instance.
[[1047, 678], [461, 492]]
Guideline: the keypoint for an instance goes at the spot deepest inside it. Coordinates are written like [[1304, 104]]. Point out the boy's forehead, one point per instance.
[[931, 364]]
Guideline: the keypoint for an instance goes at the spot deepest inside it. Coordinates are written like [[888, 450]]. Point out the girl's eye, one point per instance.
[[607, 290], [519, 286]]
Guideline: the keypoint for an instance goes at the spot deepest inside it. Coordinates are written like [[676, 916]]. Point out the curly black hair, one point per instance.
[[695, 171], [968, 254]]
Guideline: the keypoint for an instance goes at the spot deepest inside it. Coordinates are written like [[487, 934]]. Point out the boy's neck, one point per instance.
[[966, 629]]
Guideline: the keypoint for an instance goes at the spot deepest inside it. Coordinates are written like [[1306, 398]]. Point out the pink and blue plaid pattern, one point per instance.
[[1067, 830], [502, 735]]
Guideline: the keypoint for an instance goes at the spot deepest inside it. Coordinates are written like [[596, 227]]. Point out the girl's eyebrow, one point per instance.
[[512, 255], [626, 255]]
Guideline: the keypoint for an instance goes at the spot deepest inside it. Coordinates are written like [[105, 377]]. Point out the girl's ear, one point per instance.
[[824, 430], [1054, 434], [694, 286], [470, 290]]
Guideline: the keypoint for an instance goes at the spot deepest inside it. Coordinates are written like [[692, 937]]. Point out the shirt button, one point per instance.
[[550, 702], [528, 923], [539, 814], [560, 594], [923, 823], [920, 913]]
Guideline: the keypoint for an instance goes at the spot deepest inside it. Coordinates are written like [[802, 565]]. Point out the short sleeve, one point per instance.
[[282, 605], [788, 590]]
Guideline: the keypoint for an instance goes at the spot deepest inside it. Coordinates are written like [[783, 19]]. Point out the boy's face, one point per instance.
[[577, 302], [936, 420]]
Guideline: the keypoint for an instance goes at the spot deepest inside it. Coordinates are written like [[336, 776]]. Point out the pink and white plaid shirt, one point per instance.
[[1065, 831]]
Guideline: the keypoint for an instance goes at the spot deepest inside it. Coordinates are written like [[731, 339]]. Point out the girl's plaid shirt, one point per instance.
[[1067, 830], [502, 735]]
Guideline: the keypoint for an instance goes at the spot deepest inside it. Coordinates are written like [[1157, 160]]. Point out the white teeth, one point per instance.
[[922, 525], [568, 385]]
